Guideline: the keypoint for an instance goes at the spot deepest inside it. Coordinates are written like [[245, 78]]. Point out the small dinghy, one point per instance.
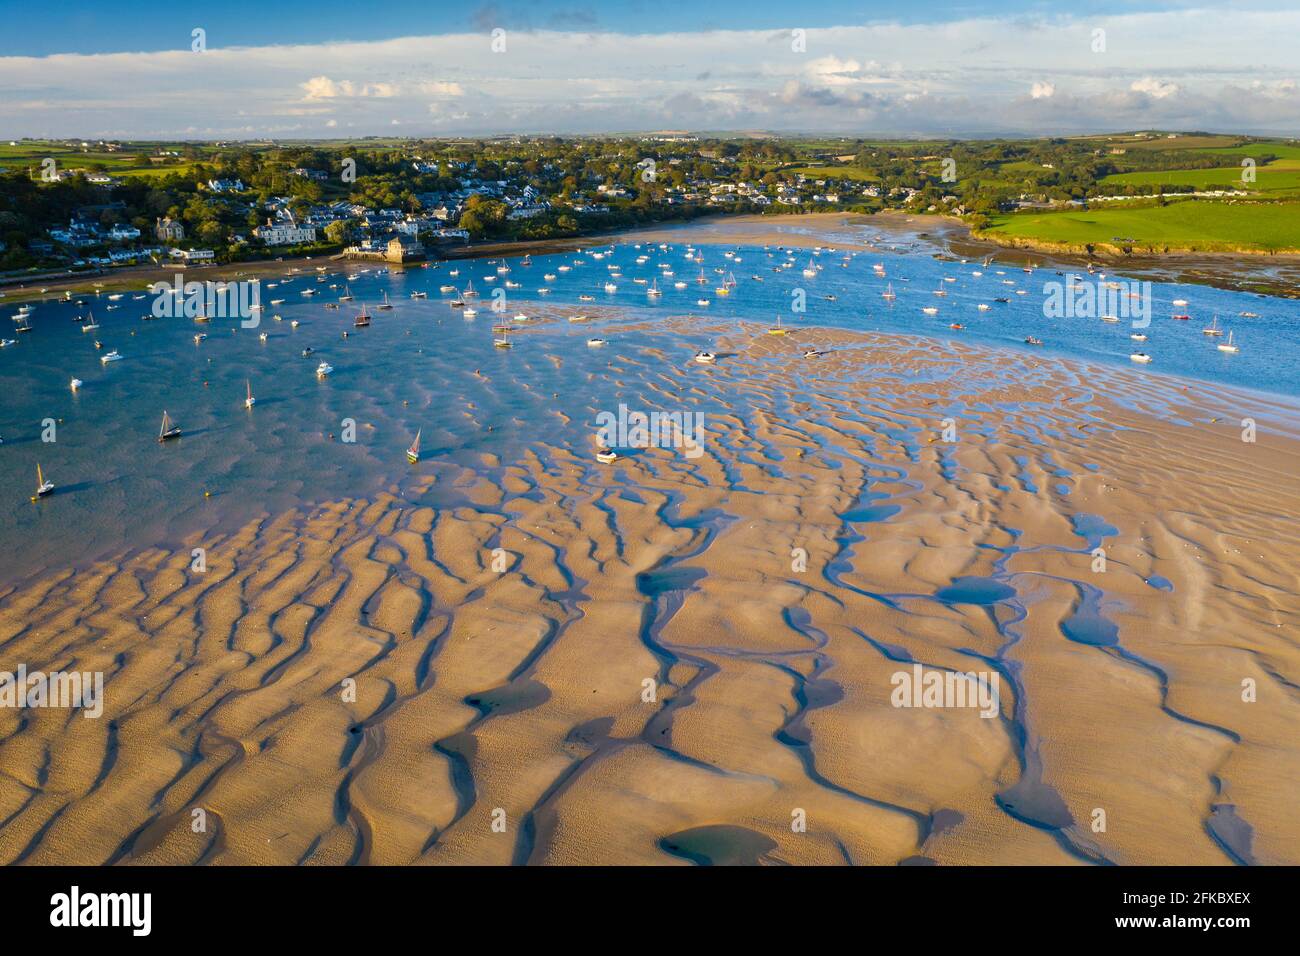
[[169, 429]]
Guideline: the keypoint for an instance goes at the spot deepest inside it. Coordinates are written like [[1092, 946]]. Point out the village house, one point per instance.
[[193, 255], [169, 230], [287, 233]]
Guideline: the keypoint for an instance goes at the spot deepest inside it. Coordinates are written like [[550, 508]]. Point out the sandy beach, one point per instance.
[[648, 663]]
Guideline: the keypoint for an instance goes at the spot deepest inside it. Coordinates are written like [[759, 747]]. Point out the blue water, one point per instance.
[[423, 366], [1266, 362]]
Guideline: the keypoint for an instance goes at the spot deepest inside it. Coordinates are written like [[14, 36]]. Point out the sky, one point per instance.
[[293, 70]]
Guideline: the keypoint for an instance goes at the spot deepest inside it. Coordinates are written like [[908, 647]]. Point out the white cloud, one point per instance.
[[440, 88], [1197, 69], [1154, 87], [323, 88]]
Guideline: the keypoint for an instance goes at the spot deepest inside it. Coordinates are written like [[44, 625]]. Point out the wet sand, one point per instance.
[[627, 664]]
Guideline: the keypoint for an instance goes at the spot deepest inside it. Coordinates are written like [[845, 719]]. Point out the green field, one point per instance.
[[1282, 176], [1202, 226], [833, 172], [1020, 166], [30, 154], [1284, 151], [1178, 142], [155, 171]]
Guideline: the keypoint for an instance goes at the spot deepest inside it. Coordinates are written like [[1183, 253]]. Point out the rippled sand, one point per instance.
[[651, 679]]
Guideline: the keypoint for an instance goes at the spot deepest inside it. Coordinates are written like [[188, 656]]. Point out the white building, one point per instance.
[[285, 234], [193, 255]]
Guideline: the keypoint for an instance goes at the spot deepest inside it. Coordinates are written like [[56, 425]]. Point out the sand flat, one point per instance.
[[679, 660]]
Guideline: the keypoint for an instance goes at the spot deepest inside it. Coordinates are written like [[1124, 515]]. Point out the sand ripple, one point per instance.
[[576, 663]]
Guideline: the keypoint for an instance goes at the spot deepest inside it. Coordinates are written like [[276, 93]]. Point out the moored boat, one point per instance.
[[169, 429]]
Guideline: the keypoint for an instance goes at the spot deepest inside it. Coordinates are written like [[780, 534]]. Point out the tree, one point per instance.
[[338, 231], [210, 231]]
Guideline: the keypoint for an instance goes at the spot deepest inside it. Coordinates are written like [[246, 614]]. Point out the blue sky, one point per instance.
[[864, 68], [91, 26]]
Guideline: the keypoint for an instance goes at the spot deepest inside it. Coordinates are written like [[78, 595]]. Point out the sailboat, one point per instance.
[[1228, 346], [24, 322], [1214, 329], [363, 318], [347, 294], [43, 486], [169, 429], [889, 292], [469, 290], [811, 271], [413, 453], [728, 284], [385, 305], [90, 322], [778, 329], [250, 401], [654, 288], [702, 279]]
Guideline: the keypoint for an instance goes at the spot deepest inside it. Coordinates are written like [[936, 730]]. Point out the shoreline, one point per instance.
[[1239, 272], [1243, 271]]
